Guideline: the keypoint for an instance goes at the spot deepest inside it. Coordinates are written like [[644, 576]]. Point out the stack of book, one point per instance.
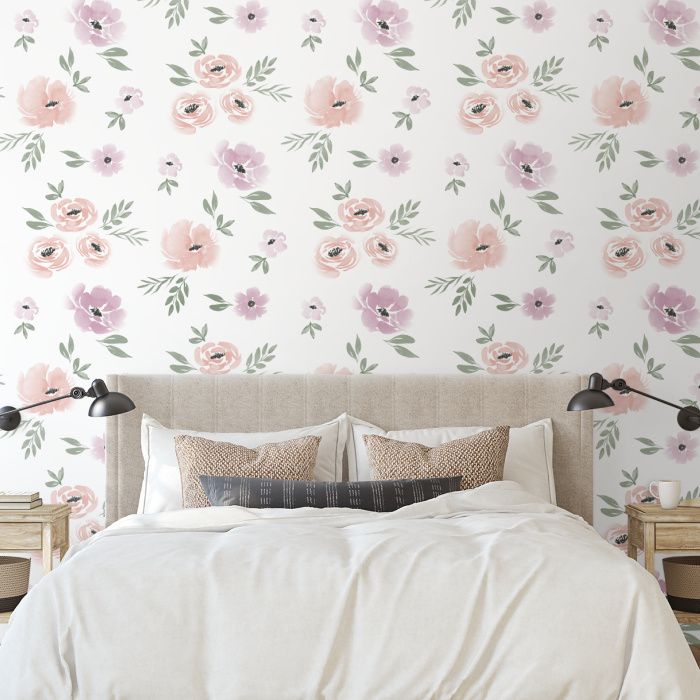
[[19, 500]]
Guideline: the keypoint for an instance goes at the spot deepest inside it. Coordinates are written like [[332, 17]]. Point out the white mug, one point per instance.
[[667, 491]]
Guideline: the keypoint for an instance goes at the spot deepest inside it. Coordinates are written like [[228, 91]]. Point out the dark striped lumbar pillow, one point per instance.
[[380, 496]]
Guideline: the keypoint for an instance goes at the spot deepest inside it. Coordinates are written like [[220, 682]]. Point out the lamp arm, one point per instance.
[[75, 393], [649, 396]]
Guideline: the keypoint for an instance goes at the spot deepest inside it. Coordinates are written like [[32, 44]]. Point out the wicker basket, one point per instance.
[[14, 581], [682, 576]]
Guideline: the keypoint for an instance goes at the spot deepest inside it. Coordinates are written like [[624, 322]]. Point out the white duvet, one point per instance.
[[482, 594]]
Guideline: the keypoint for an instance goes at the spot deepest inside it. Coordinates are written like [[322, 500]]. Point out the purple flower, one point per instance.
[[538, 304], [251, 17], [384, 22], [107, 161], [456, 166], [385, 310], [672, 310], [129, 99], [560, 243], [681, 160], [169, 165], [313, 22], [241, 166], [273, 242], [97, 448], [417, 99], [600, 309], [251, 303], [695, 386], [26, 309], [313, 309], [671, 22], [98, 311], [394, 160], [97, 22], [26, 22], [528, 167], [538, 16], [682, 448], [600, 22]]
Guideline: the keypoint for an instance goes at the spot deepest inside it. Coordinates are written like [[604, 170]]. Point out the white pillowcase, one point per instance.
[[162, 489], [528, 460]]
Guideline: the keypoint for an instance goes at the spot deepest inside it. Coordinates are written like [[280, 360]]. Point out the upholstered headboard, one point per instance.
[[235, 403]]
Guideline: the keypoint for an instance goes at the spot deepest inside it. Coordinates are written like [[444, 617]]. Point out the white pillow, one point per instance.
[[162, 489], [528, 460]]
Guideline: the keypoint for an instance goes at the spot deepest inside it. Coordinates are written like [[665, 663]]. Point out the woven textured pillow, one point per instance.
[[478, 459], [292, 459], [379, 496]]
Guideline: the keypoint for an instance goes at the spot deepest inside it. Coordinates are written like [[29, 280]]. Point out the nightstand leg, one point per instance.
[[47, 546], [649, 545], [631, 548]]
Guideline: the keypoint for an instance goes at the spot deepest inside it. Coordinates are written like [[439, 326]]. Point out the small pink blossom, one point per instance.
[[129, 99], [98, 311], [456, 166], [600, 22], [681, 448], [617, 537], [81, 499], [97, 448], [313, 22], [672, 310], [671, 22], [384, 22], [385, 310], [97, 22], [26, 309], [600, 309], [108, 160], [394, 160], [538, 304], [695, 101], [560, 243], [273, 242], [538, 16], [251, 17], [681, 161], [313, 309], [88, 529], [329, 368], [169, 165], [695, 386], [26, 22], [625, 401], [417, 99], [639, 494], [241, 166], [528, 166], [251, 304]]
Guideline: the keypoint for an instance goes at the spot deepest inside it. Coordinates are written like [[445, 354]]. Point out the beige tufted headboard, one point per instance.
[[235, 403]]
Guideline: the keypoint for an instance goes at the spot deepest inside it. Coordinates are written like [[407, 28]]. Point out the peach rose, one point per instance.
[[48, 255], [237, 106], [188, 247], [625, 402], [617, 537], [330, 368], [479, 112], [639, 494], [335, 255], [668, 249], [94, 250], [360, 214], [40, 383], [475, 247], [81, 499], [43, 103], [617, 105], [524, 105], [504, 71], [192, 111], [504, 358], [217, 358], [88, 529], [216, 71], [647, 214], [381, 249], [330, 102], [73, 214], [623, 255]]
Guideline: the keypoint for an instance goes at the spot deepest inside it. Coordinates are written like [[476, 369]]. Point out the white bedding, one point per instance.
[[482, 594]]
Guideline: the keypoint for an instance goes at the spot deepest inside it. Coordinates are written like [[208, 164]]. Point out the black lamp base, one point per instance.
[[689, 418], [10, 421]]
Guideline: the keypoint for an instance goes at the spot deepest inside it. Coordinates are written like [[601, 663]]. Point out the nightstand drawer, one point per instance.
[[20, 536], [677, 536]]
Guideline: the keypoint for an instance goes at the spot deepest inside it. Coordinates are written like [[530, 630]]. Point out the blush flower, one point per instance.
[[647, 214], [600, 22], [528, 166], [639, 494], [380, 249], [26, 309], [313, 309], [539, 16], [81, 499], [26, 22], [48, 255], [97, 448], [94, 249], [169, 165], [313, 22], [625, 402], [73, 214], [108, 160], [668, 249], [601, 309], [98, 311], [671, 22], [97, 22], [241, 166], [504, 71], [237, 106], [560, 243], [187, 246], [619, 105], [384, 22], [43, 103], [457, 166], [217, 358], [417, 99], [474, 247], [335, 255], [682, 448], [479, 112], [617, 537], [623, 255], [88, 529], [40, 382], [394, 160], [504, 358], [524, 105], [695, 386], [538, 304], [130, 99], [272, 243], [329, 368], [385, 310], [251, 304], [331, 102], [216, 71], [251, 17], [191, 111], [672, 310], [681, 160], [359, 215]]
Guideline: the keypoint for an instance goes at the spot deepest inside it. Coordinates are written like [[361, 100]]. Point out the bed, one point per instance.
[[490, 593]]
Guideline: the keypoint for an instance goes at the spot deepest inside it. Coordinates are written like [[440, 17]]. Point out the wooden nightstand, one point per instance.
[[44, 528]]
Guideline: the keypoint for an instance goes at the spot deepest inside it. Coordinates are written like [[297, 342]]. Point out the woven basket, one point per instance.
[[682, 576], [14, 581]]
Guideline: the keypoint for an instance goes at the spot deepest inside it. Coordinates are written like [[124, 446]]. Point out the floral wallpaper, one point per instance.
[[341, 187]]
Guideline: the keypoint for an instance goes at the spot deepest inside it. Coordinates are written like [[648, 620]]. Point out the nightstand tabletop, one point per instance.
[[653, 513], [45, 513]]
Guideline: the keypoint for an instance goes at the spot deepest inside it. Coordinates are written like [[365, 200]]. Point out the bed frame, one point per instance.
[[235, 403]]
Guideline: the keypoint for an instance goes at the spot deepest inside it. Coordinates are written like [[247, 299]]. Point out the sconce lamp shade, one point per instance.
[[108, 403], [588, 399]]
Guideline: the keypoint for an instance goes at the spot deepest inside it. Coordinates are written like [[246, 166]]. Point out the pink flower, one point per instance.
[[88, 529], [504, 71], [241, 166], [695, 102], [672, 310], [380, 249], [216, 71], [273, 242], [600, 22], [672, 22], [107, 161], [191, 112], [681, 161], [93, 249], [475, 247], [417, 99], [237, 106], [695, 387], [479, 112], [538, 16], [647, 214], [81, 499], [617, 537], [217, 358], [251, 304], [682, 448], [328, 368], [456, 166], [623, 255], [668, 249], [504, 358], [40, 383], [528, 166], [618, 105], [187, 246], [335, 255], [394, 160], [43, 103], [48, 255], [385, 310], [97, 448], [26, 22], [600, 309], [384, 22], [74, 214], [639, 494], [524, 105], [169, 165], [538, 304], [330, 102], [625, 402], [359, 215], [313, 22], [97, 22], [129, 100], [313, 309], [560, 243], [251, 17], [26, 309], [98, 311]]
